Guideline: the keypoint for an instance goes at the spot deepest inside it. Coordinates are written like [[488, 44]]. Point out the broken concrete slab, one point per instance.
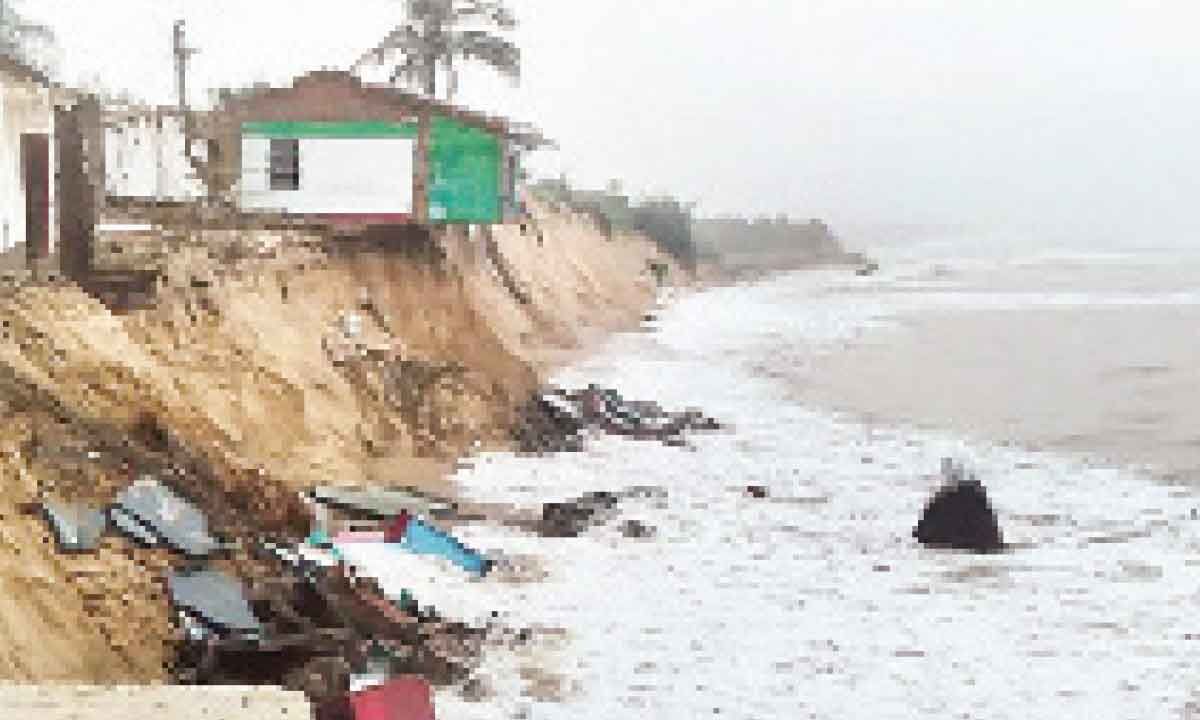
[[554, 420]]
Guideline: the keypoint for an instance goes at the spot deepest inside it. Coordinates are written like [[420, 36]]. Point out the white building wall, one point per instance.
[[337, 176], [24, 108], [144, 157]]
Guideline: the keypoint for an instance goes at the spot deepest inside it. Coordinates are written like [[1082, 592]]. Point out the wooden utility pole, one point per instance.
[[182, 53]]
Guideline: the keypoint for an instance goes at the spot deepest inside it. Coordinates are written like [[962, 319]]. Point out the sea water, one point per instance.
[[815, 601]]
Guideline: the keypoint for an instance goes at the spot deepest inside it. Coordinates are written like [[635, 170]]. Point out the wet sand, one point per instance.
[[1113, 384]]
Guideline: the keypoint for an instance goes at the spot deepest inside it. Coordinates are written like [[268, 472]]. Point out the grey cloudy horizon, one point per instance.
[[1064, 117]]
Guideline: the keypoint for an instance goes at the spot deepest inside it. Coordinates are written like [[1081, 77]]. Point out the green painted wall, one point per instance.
[[464, 174]]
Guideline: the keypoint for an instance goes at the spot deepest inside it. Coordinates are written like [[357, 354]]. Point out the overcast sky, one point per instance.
[[1068, 116]]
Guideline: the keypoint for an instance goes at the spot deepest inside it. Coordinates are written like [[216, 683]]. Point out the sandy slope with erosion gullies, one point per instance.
[[235, 382]]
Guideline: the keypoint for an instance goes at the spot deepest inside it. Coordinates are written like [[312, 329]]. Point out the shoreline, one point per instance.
[[829, 535], [721, 272]]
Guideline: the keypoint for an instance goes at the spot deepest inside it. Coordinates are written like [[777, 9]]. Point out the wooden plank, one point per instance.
[[378, 503], [319, 641]]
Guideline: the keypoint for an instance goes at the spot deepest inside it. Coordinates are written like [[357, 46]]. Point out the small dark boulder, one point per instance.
[[696, 420], [636, 529], [870, 268], [959, 515], [570, 518], [546, 424]]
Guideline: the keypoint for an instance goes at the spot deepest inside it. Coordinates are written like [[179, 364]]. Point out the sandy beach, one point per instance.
[[1112, 384]]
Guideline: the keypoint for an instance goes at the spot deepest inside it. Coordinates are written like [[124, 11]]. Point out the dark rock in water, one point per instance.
[[959, 515], [568, 519], [546, 424], [636, 529], [695, 420], [868, 269]]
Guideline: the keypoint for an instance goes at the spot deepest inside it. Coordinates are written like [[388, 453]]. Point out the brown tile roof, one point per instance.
[[517, 132]]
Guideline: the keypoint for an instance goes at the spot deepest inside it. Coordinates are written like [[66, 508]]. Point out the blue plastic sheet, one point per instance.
[[425, 539]]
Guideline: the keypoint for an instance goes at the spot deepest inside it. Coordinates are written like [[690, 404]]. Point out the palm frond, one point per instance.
[[501, 54], [430, 12], [493, 10], [404, 38], [431, 38], [411, 69]]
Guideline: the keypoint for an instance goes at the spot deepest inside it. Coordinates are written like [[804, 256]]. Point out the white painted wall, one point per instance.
[[24, 108], [337, 176], [144, 157]]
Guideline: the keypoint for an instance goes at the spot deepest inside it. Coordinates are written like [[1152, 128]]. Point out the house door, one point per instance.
[[35, 177]]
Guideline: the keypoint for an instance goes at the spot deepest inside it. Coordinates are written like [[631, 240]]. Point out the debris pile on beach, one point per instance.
[[555, 419], [161, 453], [296, 614], [310, 615]]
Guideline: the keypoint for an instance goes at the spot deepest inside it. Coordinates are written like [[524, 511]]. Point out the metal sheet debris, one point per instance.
[[132, 528], [76, 528], [214, 598], [172, 521]]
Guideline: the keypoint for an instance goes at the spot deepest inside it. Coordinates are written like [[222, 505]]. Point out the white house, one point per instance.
[[26, 157], [145, 156]]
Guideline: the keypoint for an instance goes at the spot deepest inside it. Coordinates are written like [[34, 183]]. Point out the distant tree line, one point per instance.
[[665, 220], [765, 235]]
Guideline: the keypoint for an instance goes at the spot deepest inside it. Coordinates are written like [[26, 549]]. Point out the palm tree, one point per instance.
[[438, 32], [17, 33]]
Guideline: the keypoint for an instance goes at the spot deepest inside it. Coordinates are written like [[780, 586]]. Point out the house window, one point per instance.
[[285, 164]]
